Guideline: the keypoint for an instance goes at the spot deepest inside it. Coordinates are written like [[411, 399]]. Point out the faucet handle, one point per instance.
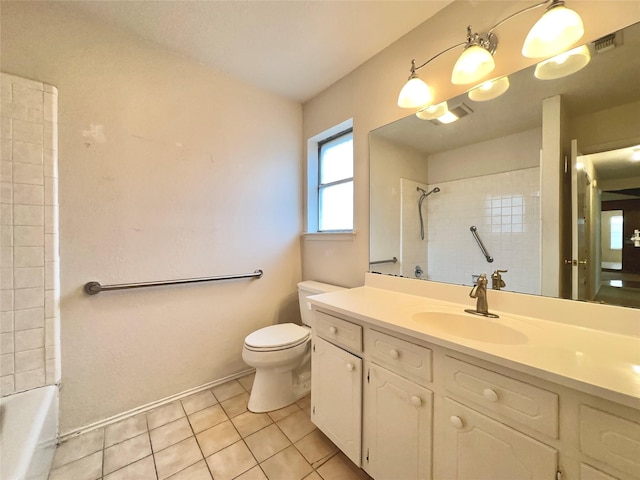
[[496, 280]]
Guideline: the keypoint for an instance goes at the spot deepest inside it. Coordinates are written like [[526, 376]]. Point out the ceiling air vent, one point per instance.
[[454, 114], [608, 42]]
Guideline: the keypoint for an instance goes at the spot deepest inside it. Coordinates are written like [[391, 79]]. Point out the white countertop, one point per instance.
[[592, 361]]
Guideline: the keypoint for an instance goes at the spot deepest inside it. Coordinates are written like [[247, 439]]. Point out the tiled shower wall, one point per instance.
[[30, 291], [505, 208]]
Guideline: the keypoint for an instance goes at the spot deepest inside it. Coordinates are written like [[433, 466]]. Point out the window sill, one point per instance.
[[330, 236]]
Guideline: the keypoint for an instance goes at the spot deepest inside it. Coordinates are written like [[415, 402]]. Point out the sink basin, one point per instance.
[[470, 327]]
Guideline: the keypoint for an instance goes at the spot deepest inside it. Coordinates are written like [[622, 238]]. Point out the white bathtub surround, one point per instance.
[[29, 235], [29, 433], [505, 208]]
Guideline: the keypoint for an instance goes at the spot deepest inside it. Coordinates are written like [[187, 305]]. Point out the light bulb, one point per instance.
[[433, 112], [558, 29], [475, 63], [415, 94]]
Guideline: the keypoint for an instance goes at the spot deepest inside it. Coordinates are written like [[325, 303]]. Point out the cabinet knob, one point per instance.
[[490, 395], [350, 366], [332, 330], [456, 421], [394, 354], [416, 401]]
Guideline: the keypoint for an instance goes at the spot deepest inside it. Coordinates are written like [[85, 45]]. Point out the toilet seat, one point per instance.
[[277, 337]]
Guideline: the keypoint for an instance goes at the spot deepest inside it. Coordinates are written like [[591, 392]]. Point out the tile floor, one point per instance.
[[208, 435]]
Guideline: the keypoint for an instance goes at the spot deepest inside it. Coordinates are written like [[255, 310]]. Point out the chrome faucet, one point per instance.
[[479, 292]]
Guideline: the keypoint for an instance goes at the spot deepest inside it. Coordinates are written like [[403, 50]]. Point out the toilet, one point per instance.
[[281, 355]]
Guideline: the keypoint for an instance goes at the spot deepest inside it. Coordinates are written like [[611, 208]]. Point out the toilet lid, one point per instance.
[[277, 336]]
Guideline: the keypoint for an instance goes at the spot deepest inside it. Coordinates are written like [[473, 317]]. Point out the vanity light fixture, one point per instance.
[[476, 61], [489, 90], [558, 29], [635, 156], [432, 112], [564, 64]]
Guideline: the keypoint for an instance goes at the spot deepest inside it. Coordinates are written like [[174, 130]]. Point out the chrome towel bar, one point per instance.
[[474, 232], [391, 260], [93, 288]]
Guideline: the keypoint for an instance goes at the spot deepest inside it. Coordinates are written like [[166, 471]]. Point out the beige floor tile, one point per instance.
[[231, 461], [267, 442], [296, 425], [248, 422], [227, 390], [305, 404], [170, 434], [316, 448], [86, 468], [313, 476], [142, 469], [198, 471], [247, 381], [207, 418], [165, 414], [124, 430], [236, 405], [284, 412], [286, 465], [124, 453], [339, 467], [198, 401], [78, 447], [255, 473], [177, 457], [218, 437]]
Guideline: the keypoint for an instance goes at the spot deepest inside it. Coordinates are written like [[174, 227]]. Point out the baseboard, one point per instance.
[[150, 406]]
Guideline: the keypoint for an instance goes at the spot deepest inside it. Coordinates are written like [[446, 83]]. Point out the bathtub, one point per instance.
[[28, 431]]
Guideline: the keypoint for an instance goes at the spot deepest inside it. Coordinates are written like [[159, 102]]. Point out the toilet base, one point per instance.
[[273, 389]]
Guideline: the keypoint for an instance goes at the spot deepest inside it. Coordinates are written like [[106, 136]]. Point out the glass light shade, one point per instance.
[[564, 64], [415, 94], [433, 112], [474, 63], [558, 29], [489, 90]]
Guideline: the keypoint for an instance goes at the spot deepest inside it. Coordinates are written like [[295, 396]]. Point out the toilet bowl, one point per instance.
[[281, 355]]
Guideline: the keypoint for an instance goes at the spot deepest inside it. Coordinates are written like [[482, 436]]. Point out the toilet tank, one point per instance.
[[308, 288]]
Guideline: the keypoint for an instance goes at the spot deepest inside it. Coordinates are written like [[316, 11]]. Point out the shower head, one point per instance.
[[425, 193]]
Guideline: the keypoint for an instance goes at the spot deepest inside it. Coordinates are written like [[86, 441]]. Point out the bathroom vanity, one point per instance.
[[409, 386]]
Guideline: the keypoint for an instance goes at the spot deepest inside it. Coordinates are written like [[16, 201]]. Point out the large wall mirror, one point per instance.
[[451, 201]]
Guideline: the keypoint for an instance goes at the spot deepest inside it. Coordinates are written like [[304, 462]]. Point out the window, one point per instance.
[[335, 182], [330, 182], [615, 240]]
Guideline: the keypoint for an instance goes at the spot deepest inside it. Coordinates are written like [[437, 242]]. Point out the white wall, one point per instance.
[[168, 170], [369, 94]]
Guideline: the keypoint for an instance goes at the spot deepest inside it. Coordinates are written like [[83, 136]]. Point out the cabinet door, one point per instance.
[[397, 426], [479, 448], [336, 396]]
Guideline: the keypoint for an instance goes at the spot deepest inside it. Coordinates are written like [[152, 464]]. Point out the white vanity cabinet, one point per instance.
[[396, 426], [480, 448], [406, 408], [336, 384]]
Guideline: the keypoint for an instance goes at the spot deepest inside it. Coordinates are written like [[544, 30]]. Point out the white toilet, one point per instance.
[[281, 355]]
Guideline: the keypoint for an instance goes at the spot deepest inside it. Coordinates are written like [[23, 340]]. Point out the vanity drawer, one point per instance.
[[405, 358], [338, 331], [610, 439], [530, 406]]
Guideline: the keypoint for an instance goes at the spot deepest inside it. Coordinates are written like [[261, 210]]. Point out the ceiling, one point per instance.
[[295, 49]]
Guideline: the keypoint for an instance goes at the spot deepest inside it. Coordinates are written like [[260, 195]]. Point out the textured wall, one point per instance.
[[167, 170]]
